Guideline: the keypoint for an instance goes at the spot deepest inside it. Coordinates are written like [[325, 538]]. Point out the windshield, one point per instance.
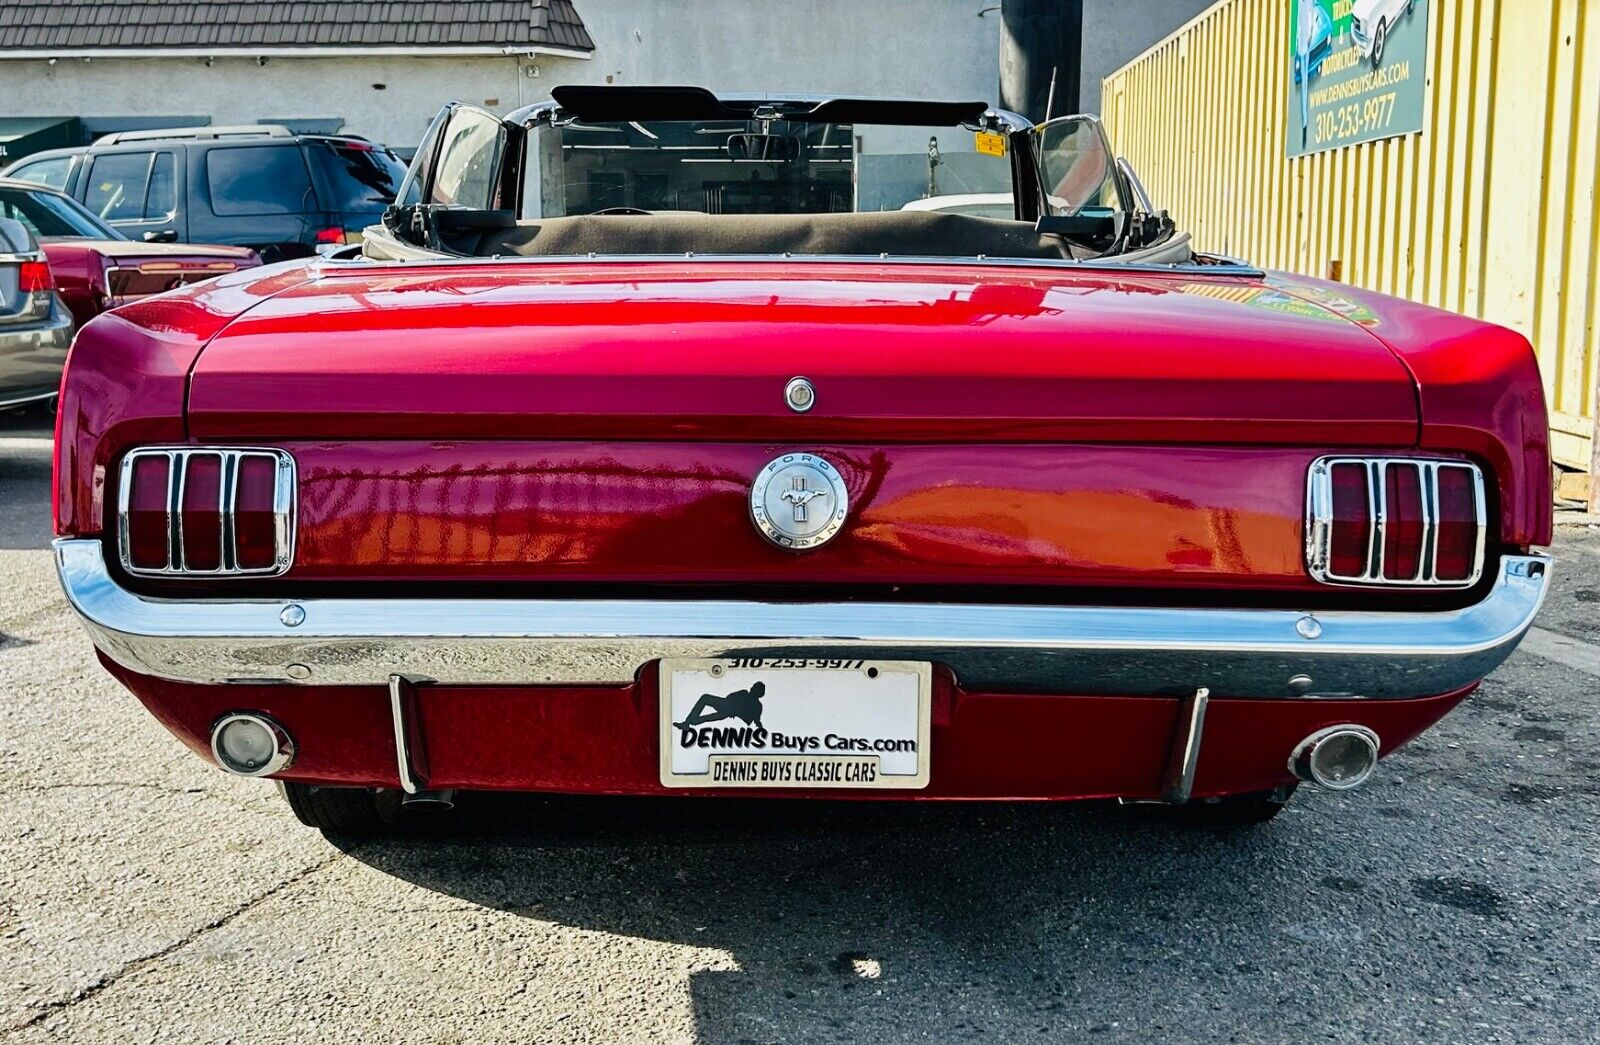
[[49, 216], [757, 166]]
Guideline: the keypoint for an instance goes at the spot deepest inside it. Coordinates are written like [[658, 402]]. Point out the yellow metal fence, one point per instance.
[[1490, 211]]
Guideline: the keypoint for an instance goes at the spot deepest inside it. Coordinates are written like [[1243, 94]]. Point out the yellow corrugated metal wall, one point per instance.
[[1490, 211]]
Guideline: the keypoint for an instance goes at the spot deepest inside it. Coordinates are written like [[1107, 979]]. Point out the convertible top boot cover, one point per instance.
[[896, 233]]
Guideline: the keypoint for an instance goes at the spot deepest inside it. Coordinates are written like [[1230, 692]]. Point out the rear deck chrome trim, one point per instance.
[[1215, 265], [1005, 648]]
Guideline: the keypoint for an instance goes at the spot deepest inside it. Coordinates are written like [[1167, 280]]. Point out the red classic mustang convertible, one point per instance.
[[650, 446]]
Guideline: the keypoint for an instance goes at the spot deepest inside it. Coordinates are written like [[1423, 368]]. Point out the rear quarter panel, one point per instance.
[[1479, 391], [127, 377]]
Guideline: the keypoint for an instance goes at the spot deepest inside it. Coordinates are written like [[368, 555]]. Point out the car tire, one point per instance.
[[1378, 39], [346, 811], [1234, 811]]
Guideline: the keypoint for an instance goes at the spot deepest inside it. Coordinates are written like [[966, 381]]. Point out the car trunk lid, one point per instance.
[[696, 350], [183, 253]]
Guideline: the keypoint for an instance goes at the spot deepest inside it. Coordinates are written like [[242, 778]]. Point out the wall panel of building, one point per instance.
[[797, 46], [1490, 211]]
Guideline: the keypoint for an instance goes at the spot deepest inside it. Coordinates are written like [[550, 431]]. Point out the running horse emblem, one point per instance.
[[799, 496]]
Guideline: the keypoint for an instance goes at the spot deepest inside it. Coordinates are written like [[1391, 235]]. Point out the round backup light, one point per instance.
[[251, 744], [1339, 757]]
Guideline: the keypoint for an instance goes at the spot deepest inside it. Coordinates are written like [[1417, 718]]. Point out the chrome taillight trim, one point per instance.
[[1319, 521], [178, 458]]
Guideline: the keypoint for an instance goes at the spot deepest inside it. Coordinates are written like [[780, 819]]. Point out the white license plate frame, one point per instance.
[[818, 702]]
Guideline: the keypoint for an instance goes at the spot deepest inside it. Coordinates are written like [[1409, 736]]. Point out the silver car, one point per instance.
[[35, 326]]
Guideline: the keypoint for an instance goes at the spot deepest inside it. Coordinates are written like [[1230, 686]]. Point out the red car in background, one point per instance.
[[95, 267], [650, 446]]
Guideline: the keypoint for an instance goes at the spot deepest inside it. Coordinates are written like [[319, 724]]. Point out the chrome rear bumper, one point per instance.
[[1001, 648]]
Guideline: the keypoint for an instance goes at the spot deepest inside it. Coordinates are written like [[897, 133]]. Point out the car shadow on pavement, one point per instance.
[[857, 920]]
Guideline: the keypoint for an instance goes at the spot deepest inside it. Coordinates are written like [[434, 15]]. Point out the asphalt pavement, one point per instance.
[[146, 896]]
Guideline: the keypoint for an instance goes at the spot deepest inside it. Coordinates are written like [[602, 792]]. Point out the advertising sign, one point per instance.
[[1356, 71]]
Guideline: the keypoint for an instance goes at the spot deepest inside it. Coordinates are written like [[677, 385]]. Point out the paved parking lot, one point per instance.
[[146, 896]]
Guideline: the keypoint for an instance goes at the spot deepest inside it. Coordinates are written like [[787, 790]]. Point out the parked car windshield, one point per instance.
[[52, 171], [362, 177], [49, 216], [753, 167]]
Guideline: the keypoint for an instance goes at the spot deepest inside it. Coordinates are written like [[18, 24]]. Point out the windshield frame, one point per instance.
[[972, 116], [1109, 232], [754, 165]]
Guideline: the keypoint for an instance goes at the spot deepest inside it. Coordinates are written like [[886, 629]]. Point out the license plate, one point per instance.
[[795, 722]]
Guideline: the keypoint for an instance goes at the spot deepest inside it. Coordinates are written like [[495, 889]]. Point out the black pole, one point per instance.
[[1039, 38]]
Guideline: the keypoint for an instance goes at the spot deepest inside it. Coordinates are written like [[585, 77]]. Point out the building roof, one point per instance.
[[74, 27]]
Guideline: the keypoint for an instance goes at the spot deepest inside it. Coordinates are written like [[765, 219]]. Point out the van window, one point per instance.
[[258, 179], [116, 186], [362, 177], [161, 200]]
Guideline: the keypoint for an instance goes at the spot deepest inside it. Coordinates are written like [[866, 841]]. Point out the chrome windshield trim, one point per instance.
[[1009, 648]]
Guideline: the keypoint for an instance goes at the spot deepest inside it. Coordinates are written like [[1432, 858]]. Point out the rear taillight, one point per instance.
[[200, 510], [33, 277], [1395, 521], [333, 236]]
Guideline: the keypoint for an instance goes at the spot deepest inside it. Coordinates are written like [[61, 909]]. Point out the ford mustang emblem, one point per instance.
[[798, 501]]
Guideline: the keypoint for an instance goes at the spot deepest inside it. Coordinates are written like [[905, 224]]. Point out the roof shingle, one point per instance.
[[203, 24]]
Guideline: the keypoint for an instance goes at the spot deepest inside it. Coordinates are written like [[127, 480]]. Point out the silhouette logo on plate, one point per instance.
[[744, 704]]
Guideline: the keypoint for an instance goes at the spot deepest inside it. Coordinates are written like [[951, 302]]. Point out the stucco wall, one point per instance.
[[915, 48], [1117, 31]]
